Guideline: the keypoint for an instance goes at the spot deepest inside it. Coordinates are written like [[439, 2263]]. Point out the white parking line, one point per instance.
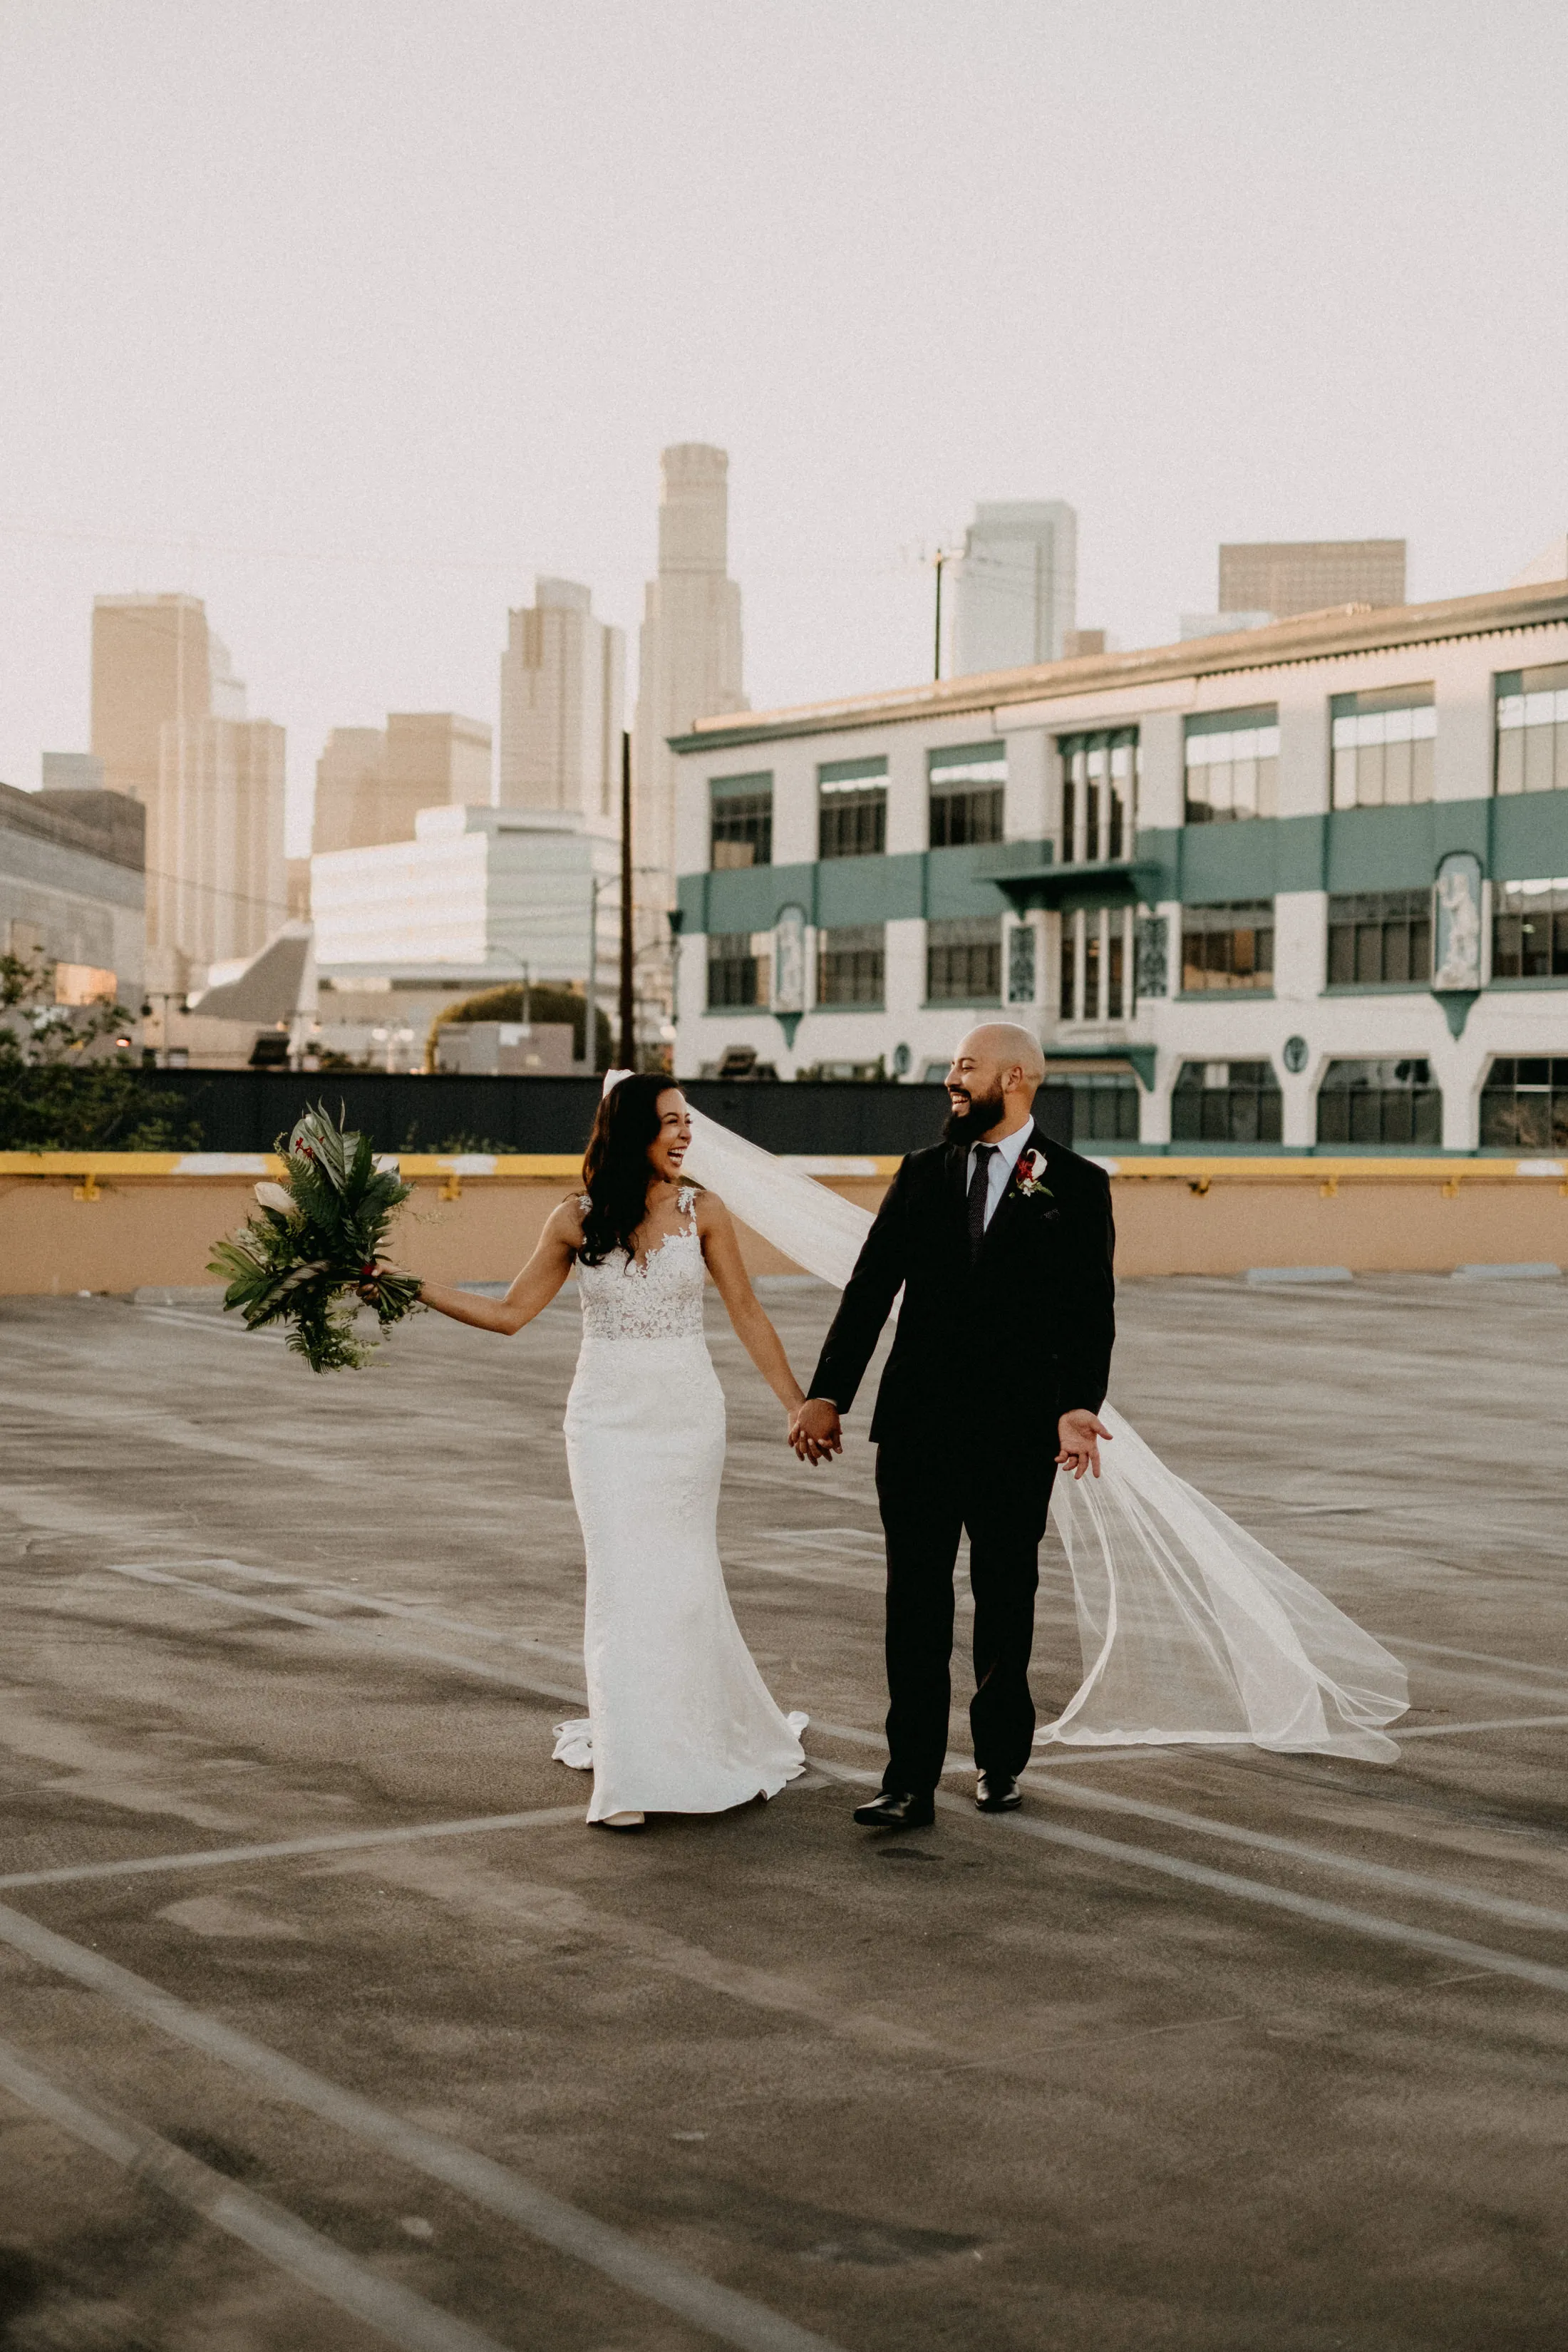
[[383, 1604], [733, 2318], [419, 1651], [1492, 1723], [283, 1849], [1324, 1859], [402, 2316], [1482, 1958]]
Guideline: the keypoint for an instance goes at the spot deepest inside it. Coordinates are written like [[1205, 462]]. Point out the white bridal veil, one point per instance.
[[1190, 1628]]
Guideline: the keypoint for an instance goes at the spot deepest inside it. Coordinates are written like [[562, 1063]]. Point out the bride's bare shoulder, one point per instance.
[[566, 1218], [712, 1216]]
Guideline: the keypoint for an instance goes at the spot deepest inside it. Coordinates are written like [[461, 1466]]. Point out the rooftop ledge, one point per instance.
[[1133, 1166], [1306, 637]]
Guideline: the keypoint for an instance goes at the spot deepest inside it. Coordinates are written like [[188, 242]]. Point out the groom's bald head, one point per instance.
[[992, 1083], [1008, 1051]]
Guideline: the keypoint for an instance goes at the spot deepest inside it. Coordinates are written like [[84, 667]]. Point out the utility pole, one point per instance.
[[945, 555], [627, 1056]]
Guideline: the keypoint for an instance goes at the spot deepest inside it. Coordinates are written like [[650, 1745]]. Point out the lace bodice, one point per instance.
[[661, 1299]]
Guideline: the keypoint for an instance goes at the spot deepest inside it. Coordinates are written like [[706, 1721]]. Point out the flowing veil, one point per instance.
[[1190, 1628]]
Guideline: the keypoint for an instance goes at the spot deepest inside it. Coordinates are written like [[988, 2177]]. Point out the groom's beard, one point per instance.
[[978, 1115]]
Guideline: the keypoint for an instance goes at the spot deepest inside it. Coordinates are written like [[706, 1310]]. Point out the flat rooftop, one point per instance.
[[1204, 2051]]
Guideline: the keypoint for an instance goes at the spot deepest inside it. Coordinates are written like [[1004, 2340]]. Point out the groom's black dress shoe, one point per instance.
[[996, 1792], [896, 1809]]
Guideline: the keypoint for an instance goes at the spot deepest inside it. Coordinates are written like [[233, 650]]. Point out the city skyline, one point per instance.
[[1301, 330]]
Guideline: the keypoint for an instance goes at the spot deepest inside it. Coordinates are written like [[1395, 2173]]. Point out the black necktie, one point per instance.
[[979, 1184]]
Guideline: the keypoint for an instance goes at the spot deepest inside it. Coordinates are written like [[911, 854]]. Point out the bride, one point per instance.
[[680, 1720]]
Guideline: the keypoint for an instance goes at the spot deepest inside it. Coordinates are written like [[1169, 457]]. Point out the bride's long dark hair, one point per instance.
[[615, 1170]]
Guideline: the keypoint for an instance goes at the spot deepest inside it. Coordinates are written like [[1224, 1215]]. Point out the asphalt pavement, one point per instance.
[[326, 2024]]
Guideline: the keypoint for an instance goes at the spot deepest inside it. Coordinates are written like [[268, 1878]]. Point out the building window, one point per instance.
[[1229, 947], [851, 964], [1530, 930], [1104, 1105], [1533, 730], [737, 969], [1380, 939], [742, 821], [1096, 965], [852, 808], [963, 960], [967, 785], [1233, 765], [1226, 1102], [1379, 1102], [1100, 793], [1383, 747], [1524, 1105]]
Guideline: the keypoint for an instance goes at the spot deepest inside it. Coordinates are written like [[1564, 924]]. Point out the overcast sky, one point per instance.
[[351, 318]]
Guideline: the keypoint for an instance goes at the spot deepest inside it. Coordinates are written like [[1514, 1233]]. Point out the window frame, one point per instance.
[[1383, 1104], [1260, 982], [1267, 1101], [967, 936], [1367, 722], [754, 793], [1555, 888], [863, 935], [855, 789], [1375, 911], [1255, 725], [959, 777]]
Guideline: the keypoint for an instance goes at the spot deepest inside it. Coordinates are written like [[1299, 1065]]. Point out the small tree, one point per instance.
[[59, 1090]]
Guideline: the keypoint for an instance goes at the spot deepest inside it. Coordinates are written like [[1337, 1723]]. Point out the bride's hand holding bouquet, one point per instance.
[[310, 1253]]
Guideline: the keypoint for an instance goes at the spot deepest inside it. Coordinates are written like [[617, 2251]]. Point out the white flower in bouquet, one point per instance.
[[273, 1196]]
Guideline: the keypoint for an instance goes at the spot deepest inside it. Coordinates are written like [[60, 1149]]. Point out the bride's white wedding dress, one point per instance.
[[679, 1719]]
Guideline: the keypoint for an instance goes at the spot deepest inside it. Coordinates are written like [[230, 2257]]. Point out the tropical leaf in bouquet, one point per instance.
[[310, 1254]]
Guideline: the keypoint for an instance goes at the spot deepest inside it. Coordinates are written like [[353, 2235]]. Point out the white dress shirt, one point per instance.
[[999, 1173]]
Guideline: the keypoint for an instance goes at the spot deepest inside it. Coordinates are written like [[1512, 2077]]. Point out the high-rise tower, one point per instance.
[[562, 691], [689, 658], [169, 724], [1017, 586]]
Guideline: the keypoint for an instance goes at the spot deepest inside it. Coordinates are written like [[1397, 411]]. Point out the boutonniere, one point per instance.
[[1030, 1175]]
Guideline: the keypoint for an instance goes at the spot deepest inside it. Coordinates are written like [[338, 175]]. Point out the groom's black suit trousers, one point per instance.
[[928, 1498]]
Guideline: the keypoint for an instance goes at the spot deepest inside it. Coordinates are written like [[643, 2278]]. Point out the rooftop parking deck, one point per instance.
[[327, 2023]]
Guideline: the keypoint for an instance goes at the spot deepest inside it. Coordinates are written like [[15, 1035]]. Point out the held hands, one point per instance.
[[1079, 1433], [814, 1430]]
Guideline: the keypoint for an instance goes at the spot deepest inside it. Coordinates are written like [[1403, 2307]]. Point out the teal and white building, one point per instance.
[[1305, 885]]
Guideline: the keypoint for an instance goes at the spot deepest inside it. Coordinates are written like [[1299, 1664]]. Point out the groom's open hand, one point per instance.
[[815, 1432], [1080, 1433]]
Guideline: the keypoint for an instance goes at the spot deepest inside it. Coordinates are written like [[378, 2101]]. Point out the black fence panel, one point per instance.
[[247, 1110]]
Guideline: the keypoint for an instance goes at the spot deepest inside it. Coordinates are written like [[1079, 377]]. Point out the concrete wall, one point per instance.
[[104, 1222]]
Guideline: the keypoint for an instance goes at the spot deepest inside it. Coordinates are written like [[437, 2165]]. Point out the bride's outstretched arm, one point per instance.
[[761, 1342], [535, 1288]]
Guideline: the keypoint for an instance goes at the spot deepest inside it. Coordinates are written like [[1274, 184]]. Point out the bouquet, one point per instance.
[[309, 1255]]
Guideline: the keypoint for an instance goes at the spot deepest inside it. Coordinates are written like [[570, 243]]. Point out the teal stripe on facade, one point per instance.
[[1518, 838]]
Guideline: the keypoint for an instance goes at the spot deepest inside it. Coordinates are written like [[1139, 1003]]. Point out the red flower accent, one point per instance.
[[367, 1273]]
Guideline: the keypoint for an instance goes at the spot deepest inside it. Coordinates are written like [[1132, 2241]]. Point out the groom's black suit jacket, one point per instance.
[[1005, 1345]]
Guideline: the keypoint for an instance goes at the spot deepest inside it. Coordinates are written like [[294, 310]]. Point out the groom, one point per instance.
[[1002, 1240]]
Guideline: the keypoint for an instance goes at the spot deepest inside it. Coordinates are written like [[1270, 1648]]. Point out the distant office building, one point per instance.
[[373, 782], [476, 897], [72, 771], [1283, 578], [688, 657], [151, 663], [71, 889], [216, 881], [1017, 586], [170, 729], [351, 779], [562, 690], [297, 883]]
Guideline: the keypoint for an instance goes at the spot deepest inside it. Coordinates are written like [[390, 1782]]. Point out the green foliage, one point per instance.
[[59, 1092], [310, 1253], [547, 1001]]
